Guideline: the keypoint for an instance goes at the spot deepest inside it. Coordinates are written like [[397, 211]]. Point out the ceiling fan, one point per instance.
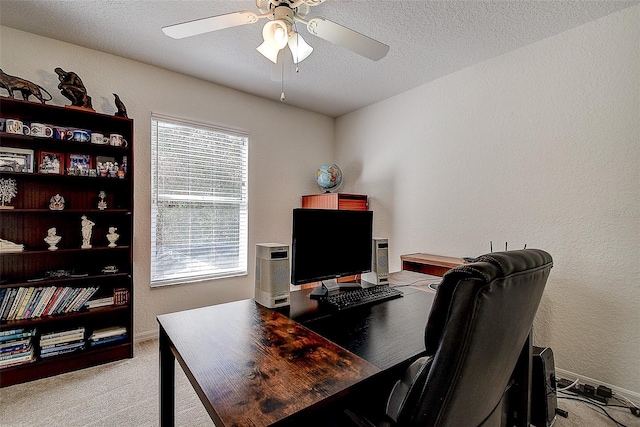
[[280, 31]]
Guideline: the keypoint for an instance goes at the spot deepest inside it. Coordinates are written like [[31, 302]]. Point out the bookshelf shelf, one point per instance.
[[28, 223]]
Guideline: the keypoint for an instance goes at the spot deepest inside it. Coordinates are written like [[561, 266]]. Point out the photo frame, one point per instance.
[[50, 162], [16, 160], [81, 163]]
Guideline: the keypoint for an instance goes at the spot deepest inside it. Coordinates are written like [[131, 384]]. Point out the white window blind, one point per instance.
[[199, 202]]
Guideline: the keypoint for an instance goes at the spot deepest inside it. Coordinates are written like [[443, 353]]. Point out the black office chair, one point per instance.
[[476, 368]]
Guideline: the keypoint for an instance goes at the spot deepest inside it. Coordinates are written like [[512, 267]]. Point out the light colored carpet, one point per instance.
[[125, 393]]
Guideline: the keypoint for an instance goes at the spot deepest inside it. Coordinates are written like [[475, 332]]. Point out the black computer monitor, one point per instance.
[[328, 244]]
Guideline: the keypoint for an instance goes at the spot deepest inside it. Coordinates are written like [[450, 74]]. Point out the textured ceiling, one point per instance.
[[428, 39]]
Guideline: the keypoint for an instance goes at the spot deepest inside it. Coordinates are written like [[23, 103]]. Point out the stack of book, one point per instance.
[[62, 342], [30, 302], [108, 335], [15, 347], [99, 302]]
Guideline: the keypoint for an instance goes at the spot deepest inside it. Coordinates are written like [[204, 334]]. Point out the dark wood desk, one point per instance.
[[255, 366]]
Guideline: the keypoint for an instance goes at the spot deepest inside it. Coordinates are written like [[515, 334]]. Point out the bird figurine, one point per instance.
[[122, 110]]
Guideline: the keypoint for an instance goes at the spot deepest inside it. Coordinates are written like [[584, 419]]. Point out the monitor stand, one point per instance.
[[331, 287]]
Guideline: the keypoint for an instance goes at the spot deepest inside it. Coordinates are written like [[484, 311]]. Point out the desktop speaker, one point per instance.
[[544, 400], [272, 275], [379, 263]]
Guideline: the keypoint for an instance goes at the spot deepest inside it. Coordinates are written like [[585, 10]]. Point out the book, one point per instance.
[[48, 293], [59, 352], [61, 298], [17, 335], [31, 305], [63, 333], [10, 297], [52, 301], [26, 357], [78, 303], [23, 304], [63, 339], [16, 303], [79, 296], [6, 345], [108, 332], [3, 300], [21, 349], [108, 340], [60, 344], [11, 332], [120, 296], [65, 346], [99, 302]]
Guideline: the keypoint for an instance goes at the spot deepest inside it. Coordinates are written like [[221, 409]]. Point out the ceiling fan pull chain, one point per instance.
[[282, 81]]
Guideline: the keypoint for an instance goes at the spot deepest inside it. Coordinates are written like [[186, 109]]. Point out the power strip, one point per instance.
[[585, 390]]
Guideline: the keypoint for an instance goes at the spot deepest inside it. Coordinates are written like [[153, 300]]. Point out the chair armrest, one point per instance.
[[411, 382]]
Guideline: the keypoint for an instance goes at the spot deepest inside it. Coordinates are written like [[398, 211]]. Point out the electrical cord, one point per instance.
[[569, 386], [635, 410], [596, 405], [417, 281]]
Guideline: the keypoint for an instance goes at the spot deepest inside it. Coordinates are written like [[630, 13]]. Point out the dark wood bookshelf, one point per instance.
[[30, 218]]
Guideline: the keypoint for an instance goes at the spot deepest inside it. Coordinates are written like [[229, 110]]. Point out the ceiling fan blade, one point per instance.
[[345, 37], [213, 23]]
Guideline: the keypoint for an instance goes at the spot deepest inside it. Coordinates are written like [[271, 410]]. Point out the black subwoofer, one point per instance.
[[544, 400]]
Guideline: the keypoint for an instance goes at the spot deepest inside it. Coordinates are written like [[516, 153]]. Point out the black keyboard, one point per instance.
[[361, 296]]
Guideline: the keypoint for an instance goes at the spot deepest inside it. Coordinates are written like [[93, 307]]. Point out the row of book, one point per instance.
[[30, 302], [16, 346]]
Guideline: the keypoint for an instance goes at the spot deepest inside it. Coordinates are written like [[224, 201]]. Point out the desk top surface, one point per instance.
[[255, 366]]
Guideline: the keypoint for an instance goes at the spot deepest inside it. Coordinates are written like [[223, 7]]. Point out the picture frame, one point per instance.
[[80, 163], [16, 160], [50, 162]]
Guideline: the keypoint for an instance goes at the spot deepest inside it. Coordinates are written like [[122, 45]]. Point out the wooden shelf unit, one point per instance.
[[27, 224], [436, 265], [354, 202]]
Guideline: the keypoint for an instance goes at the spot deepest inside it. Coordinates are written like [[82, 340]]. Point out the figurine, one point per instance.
[[87, 226], [122, 110], [102, 205], [56, 203], [112, 237], [25, 87], [52, 239], [72, 88], [7, 246], [110, 269], [8, 190]]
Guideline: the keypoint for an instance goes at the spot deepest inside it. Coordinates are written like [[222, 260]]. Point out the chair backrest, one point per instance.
[[480, 320]]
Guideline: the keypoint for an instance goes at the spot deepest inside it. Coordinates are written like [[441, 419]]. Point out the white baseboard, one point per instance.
[[632, 396], [139, 337]]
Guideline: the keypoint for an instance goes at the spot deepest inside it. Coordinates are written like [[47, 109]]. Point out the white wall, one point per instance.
[[282, 159], [537, 146]]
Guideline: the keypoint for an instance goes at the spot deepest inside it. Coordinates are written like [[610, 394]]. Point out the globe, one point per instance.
[[329, 177]]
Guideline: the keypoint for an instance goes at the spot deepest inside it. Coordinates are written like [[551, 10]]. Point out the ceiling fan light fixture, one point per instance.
[[268, 52], [276, 33], [300, 50]]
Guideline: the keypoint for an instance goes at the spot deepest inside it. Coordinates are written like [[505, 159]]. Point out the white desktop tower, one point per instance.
[[379, 274], [272, 274]]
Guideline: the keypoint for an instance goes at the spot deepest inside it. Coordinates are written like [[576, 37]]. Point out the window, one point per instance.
[[199, 202]]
